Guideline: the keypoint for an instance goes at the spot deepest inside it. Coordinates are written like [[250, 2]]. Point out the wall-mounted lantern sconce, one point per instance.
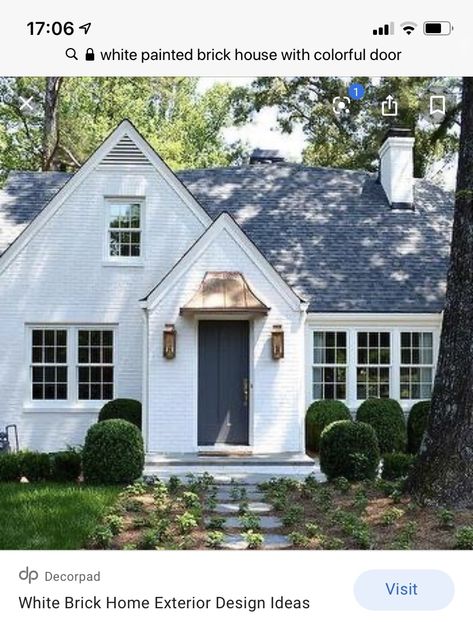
[[277, 342], [169, 341]]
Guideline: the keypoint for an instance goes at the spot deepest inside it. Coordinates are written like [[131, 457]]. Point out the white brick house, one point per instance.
[[100, 269]]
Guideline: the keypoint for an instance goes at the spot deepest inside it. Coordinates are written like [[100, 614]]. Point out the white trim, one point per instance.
[[122, 260], [354, 323], [72, 403], [374, 319], [145, 382], [224, 223], [125, 128]]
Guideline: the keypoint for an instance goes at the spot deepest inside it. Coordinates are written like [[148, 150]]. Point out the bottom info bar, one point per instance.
[[257, 585]]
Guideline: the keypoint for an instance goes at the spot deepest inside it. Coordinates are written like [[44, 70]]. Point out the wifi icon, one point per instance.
[[408, 27]]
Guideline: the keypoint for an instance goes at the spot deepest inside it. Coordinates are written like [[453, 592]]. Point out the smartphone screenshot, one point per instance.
[[236, 311]]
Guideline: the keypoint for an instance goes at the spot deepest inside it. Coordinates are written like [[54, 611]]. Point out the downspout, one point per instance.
[[145, 380]]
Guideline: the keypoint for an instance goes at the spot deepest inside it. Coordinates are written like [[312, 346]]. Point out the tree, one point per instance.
[[443, 474], [51, 122], [72, 116], [352, 140]]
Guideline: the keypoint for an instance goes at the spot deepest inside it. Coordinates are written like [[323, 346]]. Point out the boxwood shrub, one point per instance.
[[122, 408], [387, 419], [113, 453], [350, 450], [396, 465], [66, 466], [319, 415], [10, 467], [416, 425], [35, 466]]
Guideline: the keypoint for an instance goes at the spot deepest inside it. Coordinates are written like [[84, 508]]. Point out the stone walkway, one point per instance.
[[236, 501]]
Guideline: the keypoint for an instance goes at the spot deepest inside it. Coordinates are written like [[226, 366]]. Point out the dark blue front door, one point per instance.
[[223, 382]]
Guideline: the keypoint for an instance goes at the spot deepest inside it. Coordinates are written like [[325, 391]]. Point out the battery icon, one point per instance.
[[437, 28]]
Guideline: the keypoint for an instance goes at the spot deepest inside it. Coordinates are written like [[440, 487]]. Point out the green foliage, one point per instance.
[[214, 539], [122, 408], [249, 520], [417, 425], [341, 484], [66, 466], [391, 516], [253, 539], [216, 523], [10, 467], [51, 516], [298, 539], [387, 419], [352, 141], [405, 537], [319, 415], [293, 515], [114, 522], [186, 522], [464, 538], [113, 453], [312, 530], [350, 450], [446, 518], [182, 121], [396, 465], [36, 467], [101, 537]]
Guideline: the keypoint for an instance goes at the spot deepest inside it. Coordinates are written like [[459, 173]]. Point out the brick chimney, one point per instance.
[[396, 157]]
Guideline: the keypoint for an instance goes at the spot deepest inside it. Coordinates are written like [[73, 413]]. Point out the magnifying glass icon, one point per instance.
[[71, 53]]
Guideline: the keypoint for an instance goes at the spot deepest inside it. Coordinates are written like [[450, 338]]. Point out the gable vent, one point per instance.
[[125, 153]]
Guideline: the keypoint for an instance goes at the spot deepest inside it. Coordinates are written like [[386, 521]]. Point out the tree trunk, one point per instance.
[[51, 123], [444, 472]]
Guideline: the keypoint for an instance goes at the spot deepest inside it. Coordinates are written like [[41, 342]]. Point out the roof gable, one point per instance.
[[223, 223], [123, 146]]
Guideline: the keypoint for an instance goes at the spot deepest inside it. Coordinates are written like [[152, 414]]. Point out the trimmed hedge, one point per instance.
[[387, 419], [122, 408], [416, 425], [66, 466], [10, 467], [319, 415], [35, 466], [113, 453], [349, 449], [396, 465], [62, 466]]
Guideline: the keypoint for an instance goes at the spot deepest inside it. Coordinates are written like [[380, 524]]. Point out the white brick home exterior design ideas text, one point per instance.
[[343, 270]]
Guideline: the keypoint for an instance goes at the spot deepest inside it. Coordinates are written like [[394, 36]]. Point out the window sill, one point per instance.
[[63, 407], [121, 263]]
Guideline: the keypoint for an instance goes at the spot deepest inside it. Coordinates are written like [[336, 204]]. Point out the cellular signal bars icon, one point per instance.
[[387, 29]]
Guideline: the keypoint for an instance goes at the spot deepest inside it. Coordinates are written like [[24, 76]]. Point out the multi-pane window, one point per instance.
[[373, 364], [416, 365], [329, 371], [124, 229], [49, 364], [95, 364]]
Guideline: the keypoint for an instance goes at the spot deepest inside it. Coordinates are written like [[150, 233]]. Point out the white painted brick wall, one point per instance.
[[277, 400], [60, 277]]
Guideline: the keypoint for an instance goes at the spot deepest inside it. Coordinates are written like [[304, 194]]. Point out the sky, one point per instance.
[[263, 132]]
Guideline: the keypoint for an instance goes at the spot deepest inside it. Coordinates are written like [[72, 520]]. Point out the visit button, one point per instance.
[[408, 590]]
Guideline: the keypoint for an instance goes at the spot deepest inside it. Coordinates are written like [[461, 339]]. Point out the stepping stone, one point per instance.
[[266, 522], [258, 507], [237, 542], [226, 495]]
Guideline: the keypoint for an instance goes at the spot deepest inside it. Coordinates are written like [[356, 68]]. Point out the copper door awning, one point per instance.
[[224, 292]]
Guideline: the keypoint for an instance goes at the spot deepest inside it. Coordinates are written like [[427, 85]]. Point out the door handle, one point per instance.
[[246, 390]]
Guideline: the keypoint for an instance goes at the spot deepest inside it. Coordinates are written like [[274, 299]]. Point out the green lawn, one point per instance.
[[51, 516]]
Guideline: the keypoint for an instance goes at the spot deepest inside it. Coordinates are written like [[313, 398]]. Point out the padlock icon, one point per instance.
[[89, 54]]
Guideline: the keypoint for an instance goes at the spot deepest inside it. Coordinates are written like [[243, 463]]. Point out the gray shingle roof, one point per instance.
[[329, 232]]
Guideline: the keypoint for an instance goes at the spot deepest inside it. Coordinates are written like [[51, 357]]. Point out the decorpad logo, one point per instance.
[[28, 575]]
